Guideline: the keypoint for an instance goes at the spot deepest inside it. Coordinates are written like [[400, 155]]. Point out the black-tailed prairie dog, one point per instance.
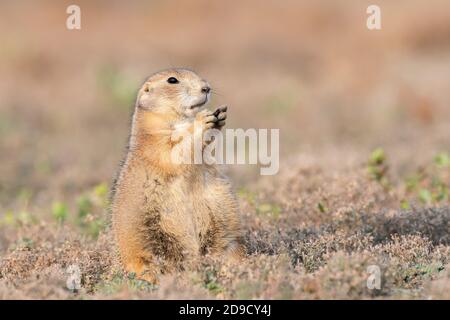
[[166, 214]]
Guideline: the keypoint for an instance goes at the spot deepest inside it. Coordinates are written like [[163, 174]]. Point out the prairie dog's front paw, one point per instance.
[[212, 120], [205, 120], [221, 116]]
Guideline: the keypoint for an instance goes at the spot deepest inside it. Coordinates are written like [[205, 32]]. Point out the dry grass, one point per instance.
[[324, 256], [336, 90]]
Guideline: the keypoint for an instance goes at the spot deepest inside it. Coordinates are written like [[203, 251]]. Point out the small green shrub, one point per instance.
[[378, 168], [59, 211]]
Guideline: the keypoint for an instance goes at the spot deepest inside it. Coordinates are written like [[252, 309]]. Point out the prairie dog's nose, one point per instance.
[[206, 89]]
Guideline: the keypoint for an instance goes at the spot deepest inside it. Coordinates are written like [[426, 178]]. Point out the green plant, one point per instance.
[[59, 211], [26, 218], [322, 208], [100, 193], [211, 283], [247, 195], [119, 281], [91, 207], [84, 206], [269, 209], [404, 204], [120, 89], [413, 181], [378, 168], [430, 183], [442, 160], [425, 196], [8, 219]]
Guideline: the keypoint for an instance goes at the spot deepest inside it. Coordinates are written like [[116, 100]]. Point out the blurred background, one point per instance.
[[311, 68], [364, 119]]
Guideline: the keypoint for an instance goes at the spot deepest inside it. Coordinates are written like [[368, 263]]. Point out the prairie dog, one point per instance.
[[165, 215]]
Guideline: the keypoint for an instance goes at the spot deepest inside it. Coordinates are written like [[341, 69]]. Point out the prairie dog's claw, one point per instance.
[[221, 116], [220, 109], [216, 119]]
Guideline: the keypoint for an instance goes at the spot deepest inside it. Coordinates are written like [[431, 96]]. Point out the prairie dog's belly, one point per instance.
[[183, 212]]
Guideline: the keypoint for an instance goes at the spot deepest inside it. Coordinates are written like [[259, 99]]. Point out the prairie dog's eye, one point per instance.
[[147, 89], [172, 80]]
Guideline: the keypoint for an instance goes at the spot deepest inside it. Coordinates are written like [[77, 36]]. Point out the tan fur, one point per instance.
[[166, 215]]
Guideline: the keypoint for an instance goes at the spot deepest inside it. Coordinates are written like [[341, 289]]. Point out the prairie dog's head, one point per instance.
[[175, 90]]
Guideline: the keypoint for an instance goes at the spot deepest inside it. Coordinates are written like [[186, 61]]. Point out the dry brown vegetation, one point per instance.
[[365, 126]]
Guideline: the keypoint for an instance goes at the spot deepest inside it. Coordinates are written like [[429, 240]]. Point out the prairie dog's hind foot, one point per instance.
[[141, 270], [236, 252]]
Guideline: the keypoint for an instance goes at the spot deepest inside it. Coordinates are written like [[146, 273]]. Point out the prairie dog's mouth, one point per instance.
[[197, 105]]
